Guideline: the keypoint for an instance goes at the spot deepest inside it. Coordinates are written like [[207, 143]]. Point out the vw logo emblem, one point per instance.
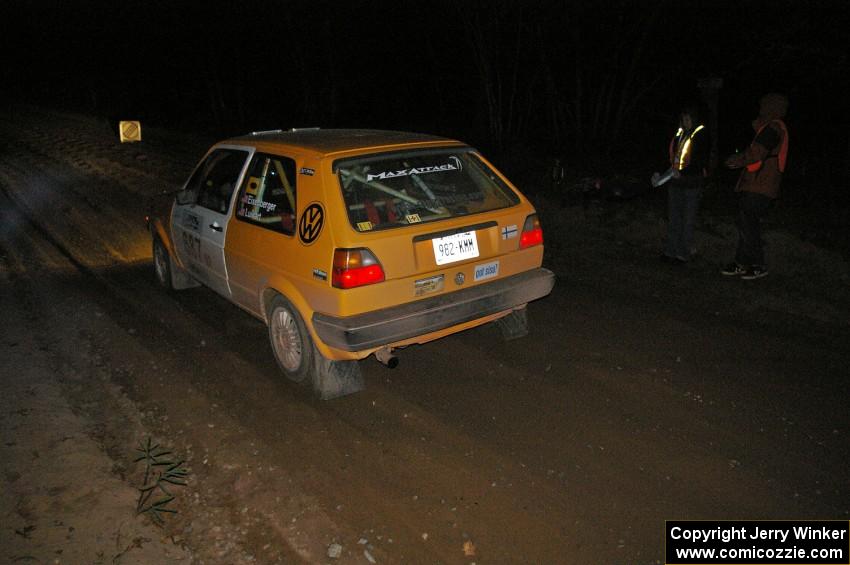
[[459, 278], [310, 226]]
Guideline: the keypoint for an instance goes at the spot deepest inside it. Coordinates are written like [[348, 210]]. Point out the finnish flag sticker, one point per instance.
[[508, 232]]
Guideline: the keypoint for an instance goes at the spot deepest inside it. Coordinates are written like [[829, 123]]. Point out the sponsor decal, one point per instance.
[[413, 218], [426, 286], [454, 164], [509, 232], [320, 274], [486, 271], [307, 171], [311, 223], [364, 226]]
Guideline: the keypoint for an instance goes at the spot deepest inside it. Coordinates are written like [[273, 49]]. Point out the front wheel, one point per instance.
[[291, 343]]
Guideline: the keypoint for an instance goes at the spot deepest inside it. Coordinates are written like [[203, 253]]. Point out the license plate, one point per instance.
[[457, 247], [486, 271]]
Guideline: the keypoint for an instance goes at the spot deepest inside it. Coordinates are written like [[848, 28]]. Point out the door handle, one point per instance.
[[215, 227]]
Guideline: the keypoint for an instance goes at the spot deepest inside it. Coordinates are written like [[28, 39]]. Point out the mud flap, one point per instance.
[[180, 278], [332, 379], [514, 325]]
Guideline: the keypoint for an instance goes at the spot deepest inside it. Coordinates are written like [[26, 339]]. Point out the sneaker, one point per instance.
[[754, 272], [733, 270]]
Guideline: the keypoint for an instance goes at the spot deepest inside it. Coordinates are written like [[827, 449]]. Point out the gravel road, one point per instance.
[[643, 393]]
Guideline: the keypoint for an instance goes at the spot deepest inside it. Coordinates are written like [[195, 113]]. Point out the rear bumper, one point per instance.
[[389, 325]]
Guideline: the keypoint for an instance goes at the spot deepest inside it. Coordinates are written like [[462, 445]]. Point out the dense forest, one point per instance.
[[596, 84]]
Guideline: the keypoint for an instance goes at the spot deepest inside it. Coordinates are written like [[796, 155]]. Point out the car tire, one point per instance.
[[162, 265], [514, 325], [291, 343]]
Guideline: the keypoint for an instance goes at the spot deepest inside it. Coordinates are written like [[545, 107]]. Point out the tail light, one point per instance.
[[532, 233], [355, 267]]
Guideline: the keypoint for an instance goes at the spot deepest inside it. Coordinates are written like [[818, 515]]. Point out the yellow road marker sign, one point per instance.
[[130, 131]]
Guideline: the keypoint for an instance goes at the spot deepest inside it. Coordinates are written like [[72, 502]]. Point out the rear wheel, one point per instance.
[[291, 344], [162, 264], [297, 356]]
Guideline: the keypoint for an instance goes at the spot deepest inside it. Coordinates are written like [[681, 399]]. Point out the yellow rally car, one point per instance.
[[353, 242]]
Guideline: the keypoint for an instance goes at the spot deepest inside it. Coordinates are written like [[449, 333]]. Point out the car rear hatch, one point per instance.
[[429, 222]]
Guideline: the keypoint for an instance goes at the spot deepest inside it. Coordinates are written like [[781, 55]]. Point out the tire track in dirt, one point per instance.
[[97, 288], [124, 304], [98, 234], [63, 497]]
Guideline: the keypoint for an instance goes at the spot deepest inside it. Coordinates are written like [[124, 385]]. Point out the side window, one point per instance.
[[267, 197], [214, 180]]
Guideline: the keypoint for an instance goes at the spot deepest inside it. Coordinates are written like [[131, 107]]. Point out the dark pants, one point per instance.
[[751, 208], [682, 204]]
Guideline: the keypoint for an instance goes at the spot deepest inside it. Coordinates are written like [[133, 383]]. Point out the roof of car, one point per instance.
[[328, 141]]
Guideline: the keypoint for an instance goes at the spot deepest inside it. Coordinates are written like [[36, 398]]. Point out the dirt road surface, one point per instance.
[[643, 393]]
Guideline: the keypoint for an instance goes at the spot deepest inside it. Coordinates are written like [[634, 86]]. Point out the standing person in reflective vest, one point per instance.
[[763, 163], [689, 152]]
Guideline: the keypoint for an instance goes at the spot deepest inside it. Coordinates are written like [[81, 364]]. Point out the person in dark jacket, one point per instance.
[[763, 163], [689, 154]]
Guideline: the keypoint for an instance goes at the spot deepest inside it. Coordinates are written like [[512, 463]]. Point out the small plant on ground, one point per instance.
[[160, 472]]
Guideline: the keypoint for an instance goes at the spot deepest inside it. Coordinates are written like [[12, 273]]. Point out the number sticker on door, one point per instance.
[[192, 246]]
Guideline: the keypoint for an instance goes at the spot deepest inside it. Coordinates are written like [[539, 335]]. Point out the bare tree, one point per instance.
[[498, 38]]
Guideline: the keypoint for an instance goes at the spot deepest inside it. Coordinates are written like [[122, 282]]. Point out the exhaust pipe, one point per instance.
[[385, 356]]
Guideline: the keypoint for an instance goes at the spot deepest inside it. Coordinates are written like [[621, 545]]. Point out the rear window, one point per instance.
[[387, 191]]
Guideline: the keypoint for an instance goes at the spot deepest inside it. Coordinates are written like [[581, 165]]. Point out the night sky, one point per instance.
[[597, 83]]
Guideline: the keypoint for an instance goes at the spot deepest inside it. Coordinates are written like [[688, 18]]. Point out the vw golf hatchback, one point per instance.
[[349, 243]]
